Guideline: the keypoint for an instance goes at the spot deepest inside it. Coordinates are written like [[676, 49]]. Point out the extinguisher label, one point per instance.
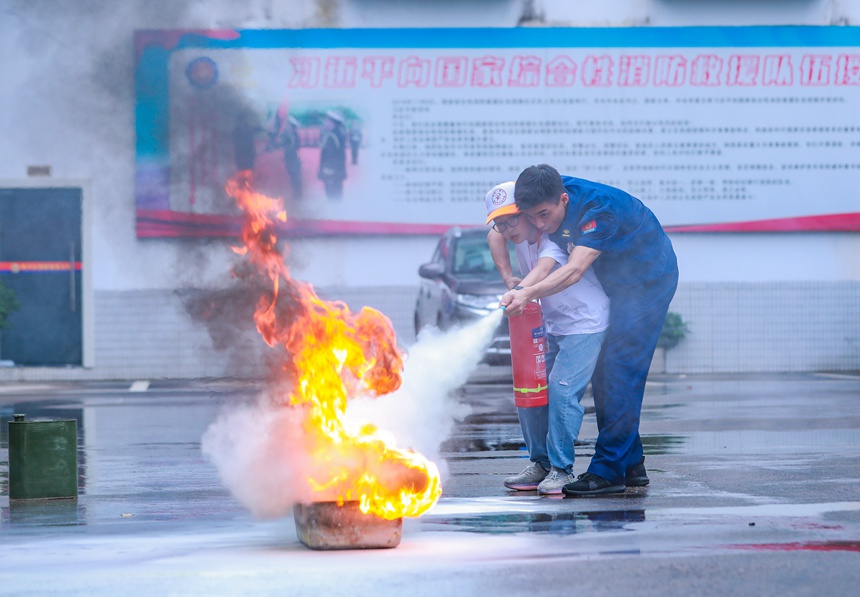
[[538, 332], [540, 367]]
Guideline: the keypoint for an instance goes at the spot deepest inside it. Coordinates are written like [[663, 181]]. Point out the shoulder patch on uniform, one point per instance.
[[590, 227]]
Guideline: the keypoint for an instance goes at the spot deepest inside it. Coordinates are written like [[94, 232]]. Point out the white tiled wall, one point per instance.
[[149, 334], [142, 334], [777, 326], [734, 327]]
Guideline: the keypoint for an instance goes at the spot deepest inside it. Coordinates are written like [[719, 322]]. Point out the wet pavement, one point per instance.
[[755, 490]]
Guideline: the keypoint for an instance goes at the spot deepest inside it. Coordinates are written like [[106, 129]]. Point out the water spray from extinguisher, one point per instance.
[[529, 346]]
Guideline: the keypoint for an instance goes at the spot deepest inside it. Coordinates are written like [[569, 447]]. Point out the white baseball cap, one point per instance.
[[500, 201], [334, 115]]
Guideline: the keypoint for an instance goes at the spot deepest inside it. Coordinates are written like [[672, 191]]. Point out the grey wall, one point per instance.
[[769, 326], [734, 327]]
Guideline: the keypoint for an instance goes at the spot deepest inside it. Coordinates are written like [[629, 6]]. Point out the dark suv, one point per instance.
[[461, 284]]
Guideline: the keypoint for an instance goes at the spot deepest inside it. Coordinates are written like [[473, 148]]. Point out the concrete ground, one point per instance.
[[755, 490]]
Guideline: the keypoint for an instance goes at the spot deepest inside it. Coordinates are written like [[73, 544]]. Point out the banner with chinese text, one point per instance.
[[397, 131]]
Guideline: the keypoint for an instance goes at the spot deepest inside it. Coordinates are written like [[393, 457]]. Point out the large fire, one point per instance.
[[333, 355]]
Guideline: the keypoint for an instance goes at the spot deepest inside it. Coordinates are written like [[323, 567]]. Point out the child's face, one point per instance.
[[516, 228]]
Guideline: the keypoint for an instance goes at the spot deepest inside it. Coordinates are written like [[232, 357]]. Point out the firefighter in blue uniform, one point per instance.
[[633, 258]]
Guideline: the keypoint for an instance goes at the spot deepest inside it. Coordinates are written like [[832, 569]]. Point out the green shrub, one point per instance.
[[673, 330], [8, 304]]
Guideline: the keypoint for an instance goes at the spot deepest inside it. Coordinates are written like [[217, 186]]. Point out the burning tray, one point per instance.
[[326, 525]]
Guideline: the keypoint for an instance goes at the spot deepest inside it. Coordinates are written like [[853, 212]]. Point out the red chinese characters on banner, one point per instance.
[[562, 70], [487, 71], [413, 71], [377, 69], [525, 71], [815, 69], [778, 71], [597, 71], [340, 71], [670, 71], [452, 71], [634, 71], [306, 72], [743, 70], [848, 70], [705, 70]]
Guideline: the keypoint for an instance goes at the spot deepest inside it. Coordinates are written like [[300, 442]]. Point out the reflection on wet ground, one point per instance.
[[656, 530], [139, 454], [47, 512], [710, 442], [476, 436], [554, 523], [809, 546], [762, 464]]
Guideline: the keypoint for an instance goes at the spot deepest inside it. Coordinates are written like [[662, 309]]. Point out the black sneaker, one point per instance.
[[637, 476], [591, 484]]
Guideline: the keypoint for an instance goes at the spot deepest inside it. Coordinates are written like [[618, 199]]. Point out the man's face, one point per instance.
[[546, 216], [516, 228]]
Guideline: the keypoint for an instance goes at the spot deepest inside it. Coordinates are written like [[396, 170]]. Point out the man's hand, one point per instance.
[[515, 301]]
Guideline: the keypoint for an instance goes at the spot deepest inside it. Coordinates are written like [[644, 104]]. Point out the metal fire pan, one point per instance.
[[326, 525]]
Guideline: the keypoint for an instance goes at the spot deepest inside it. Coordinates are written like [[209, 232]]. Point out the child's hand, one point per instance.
[[512, 281]]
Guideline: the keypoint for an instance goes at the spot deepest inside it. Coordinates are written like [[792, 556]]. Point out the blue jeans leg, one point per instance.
[[570, 361], [635, 321], [533, 422]]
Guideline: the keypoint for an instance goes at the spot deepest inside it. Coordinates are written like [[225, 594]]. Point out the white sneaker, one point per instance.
[[527, 480], [554, 481]]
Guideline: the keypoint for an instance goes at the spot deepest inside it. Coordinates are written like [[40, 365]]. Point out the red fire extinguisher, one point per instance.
[[528, 357]]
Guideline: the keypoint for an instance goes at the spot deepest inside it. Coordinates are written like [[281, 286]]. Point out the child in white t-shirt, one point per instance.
[[576, 320]]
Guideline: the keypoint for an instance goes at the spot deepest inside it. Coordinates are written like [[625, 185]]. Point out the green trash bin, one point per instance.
[[43, 459]]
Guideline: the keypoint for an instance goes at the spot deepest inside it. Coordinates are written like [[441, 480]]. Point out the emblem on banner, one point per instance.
[[202, 72]]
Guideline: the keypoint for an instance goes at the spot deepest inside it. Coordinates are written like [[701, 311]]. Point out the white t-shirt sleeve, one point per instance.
[[550, 249]]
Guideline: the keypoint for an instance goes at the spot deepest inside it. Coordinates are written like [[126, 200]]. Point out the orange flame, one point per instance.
[[334, 355]]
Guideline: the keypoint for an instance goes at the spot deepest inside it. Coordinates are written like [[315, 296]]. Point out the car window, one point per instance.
[[472, 256], [437, 254]]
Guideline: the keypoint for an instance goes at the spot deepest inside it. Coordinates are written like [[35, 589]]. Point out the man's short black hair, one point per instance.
[[536, 185]]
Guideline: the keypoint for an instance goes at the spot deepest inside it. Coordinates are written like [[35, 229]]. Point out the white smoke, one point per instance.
[[258, 450], [422, 413], [254, 449]]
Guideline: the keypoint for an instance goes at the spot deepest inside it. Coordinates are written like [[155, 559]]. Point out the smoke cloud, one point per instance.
[[422, 413], [259, 449]]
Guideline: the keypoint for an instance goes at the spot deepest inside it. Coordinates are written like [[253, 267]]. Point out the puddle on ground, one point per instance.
[[459, 445], [45, 512], [489, 442], [552, 523]]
